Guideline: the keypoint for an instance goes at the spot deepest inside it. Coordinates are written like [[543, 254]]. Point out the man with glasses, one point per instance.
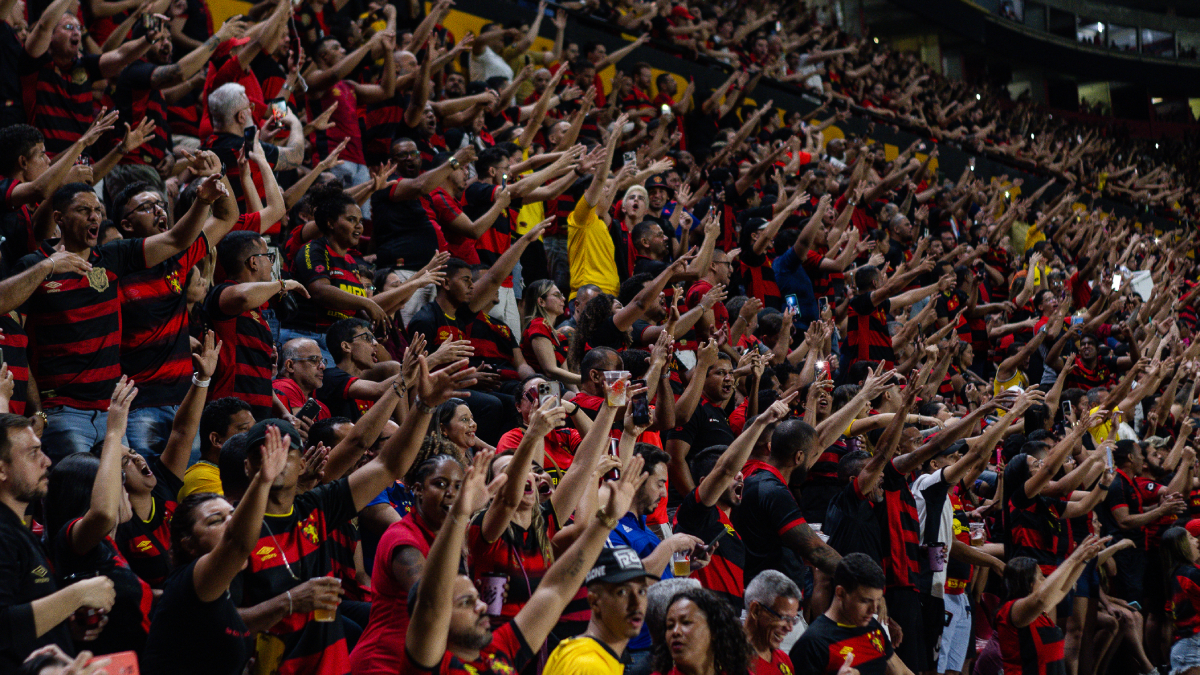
[[57, 77], [772, 611], [155, 342], [302, 373], [236, 308], [720, 271], [358, 380]]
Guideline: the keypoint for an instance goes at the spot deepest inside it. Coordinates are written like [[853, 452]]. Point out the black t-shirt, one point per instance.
[[823, 648], [316, 260], [1122, 492], [146, 544], [852, 524], [708, 426], [768, 509], [192, 637], [403, 230], [334, 393], [25, 576], [724, 575], [11, 109], [227, 148], [437, 326]]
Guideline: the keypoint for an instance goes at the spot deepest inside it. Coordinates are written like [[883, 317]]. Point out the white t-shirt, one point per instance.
[[932, 494]]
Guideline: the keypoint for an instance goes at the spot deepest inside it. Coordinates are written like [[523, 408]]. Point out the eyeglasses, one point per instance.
[[400, 154], [309, 359], [369, 338], [553, 294], [269, 255], [149, 207], [789, 620]]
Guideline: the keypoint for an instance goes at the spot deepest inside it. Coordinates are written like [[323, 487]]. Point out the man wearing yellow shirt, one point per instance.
[[590, 247], [221, 419], [617, 595]]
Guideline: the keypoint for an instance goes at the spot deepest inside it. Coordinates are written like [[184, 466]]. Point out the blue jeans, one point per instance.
[[286, 334], [71, 430], [150, 428]]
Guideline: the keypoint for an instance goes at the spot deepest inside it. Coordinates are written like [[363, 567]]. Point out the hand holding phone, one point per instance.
[[248, 136]]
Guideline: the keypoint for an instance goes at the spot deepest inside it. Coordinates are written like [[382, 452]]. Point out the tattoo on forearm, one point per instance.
[[211, 43]]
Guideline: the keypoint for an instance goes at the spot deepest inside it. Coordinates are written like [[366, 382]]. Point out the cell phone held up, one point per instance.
[[248, 137], [547, 392], [640, 410], [310, 410]]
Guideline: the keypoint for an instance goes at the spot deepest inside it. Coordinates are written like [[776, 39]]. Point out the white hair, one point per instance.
[[224, 103], [769, 585]]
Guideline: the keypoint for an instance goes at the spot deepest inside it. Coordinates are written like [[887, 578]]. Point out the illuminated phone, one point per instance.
[[790, 301]]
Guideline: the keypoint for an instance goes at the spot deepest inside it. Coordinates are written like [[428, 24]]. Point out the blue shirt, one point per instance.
[[631, 531], [793, 280]]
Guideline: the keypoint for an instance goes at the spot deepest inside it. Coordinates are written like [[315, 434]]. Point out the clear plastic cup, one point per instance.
[[327, 615], [680, 566], [618, 382], [977, 534]]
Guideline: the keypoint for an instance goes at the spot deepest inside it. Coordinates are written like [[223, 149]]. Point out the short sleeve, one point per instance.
[[312, 263], [687, 432], [137, 75], [124, 256], [861, 304], [1117, 498], [809, 655], [335, 500], [780, 506], [212, 302]]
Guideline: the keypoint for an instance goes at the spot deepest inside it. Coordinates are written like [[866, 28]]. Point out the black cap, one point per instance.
[[956, 446], [258, 434], [616, 566], [659, 180]]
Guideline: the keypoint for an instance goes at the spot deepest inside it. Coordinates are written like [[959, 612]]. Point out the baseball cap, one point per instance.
[[616, 566], [659, 180], [956, 446], [1193, 527], [258, 433]]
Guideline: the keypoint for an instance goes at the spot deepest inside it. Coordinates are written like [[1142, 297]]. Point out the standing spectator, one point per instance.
[[236, 308], [232, 114], [76, 349], [35, 611]]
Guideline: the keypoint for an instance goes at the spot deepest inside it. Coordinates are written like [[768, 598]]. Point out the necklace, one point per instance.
[[282, 554]]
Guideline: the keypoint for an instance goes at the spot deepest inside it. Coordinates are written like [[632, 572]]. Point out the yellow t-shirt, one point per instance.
[[201, 477], [1102, 432], [583, 656], [590, 250]]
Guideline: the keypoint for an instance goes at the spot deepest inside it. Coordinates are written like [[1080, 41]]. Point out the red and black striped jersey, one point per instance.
[[1036, 528], [317, 261], [823, 648], [74, 325], [184, 115], [494, 345], [136, 98], [725, 574], [146, 544], [1185, 599], [245, 366], [477, 200], [334, 393], [1036, 649], [1122, 492], [901, 528], [867, 336], [129, 617], [515, 555], [1086, 378], [958, 573], [155, 347], [293, 547], [58, 101], [15, 344]]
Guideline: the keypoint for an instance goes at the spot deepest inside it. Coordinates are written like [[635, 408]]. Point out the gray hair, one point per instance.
[[769, 585], [223, 103], [658, 598], [291, 348]]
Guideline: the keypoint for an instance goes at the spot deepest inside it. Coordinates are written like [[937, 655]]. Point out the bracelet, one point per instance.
[[42, 414], [399, 391], [197, 382], [290, 606], [282, 287], [606, 520], [421, 407]]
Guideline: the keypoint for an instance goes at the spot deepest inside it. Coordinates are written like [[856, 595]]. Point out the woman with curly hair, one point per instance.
[[703, 637], [606, 322]]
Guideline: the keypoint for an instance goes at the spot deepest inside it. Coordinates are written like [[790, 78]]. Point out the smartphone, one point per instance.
[[666, 109], [778, 26], [1116, 282], [1066, 410], [278, 109], [723, 533], [547, 391], [151, 23], [641, 409], [790, 302], [248, 139], [503, 181], [310, 410], [822, 303], [121, 663], [1, 357], [1108, 458], [629, 158], [613, 446]]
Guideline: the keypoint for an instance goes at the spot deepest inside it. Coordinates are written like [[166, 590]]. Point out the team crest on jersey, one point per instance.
[[79, 75], [98, 279], [305, 19], [876, 638], [337, 91], [783, 668], [175, 282], [498, 666], [310, 529], [41, 574]]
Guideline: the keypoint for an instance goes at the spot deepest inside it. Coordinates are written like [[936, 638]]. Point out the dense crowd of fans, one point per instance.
[[334, 342]]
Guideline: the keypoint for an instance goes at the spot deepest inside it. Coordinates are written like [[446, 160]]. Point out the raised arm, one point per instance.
[[575, 481], [105, 506], [730, 462], [486, 287]]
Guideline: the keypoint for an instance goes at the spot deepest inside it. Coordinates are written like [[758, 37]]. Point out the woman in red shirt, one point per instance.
[[545, 349]]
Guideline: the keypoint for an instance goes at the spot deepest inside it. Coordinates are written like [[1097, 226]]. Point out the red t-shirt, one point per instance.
[[289, 392]]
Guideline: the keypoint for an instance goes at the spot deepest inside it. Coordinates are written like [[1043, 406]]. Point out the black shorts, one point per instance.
[[1128, 582], [905, 608]]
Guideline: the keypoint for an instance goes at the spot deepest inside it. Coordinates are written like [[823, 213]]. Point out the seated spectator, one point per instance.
[[301, 375]]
